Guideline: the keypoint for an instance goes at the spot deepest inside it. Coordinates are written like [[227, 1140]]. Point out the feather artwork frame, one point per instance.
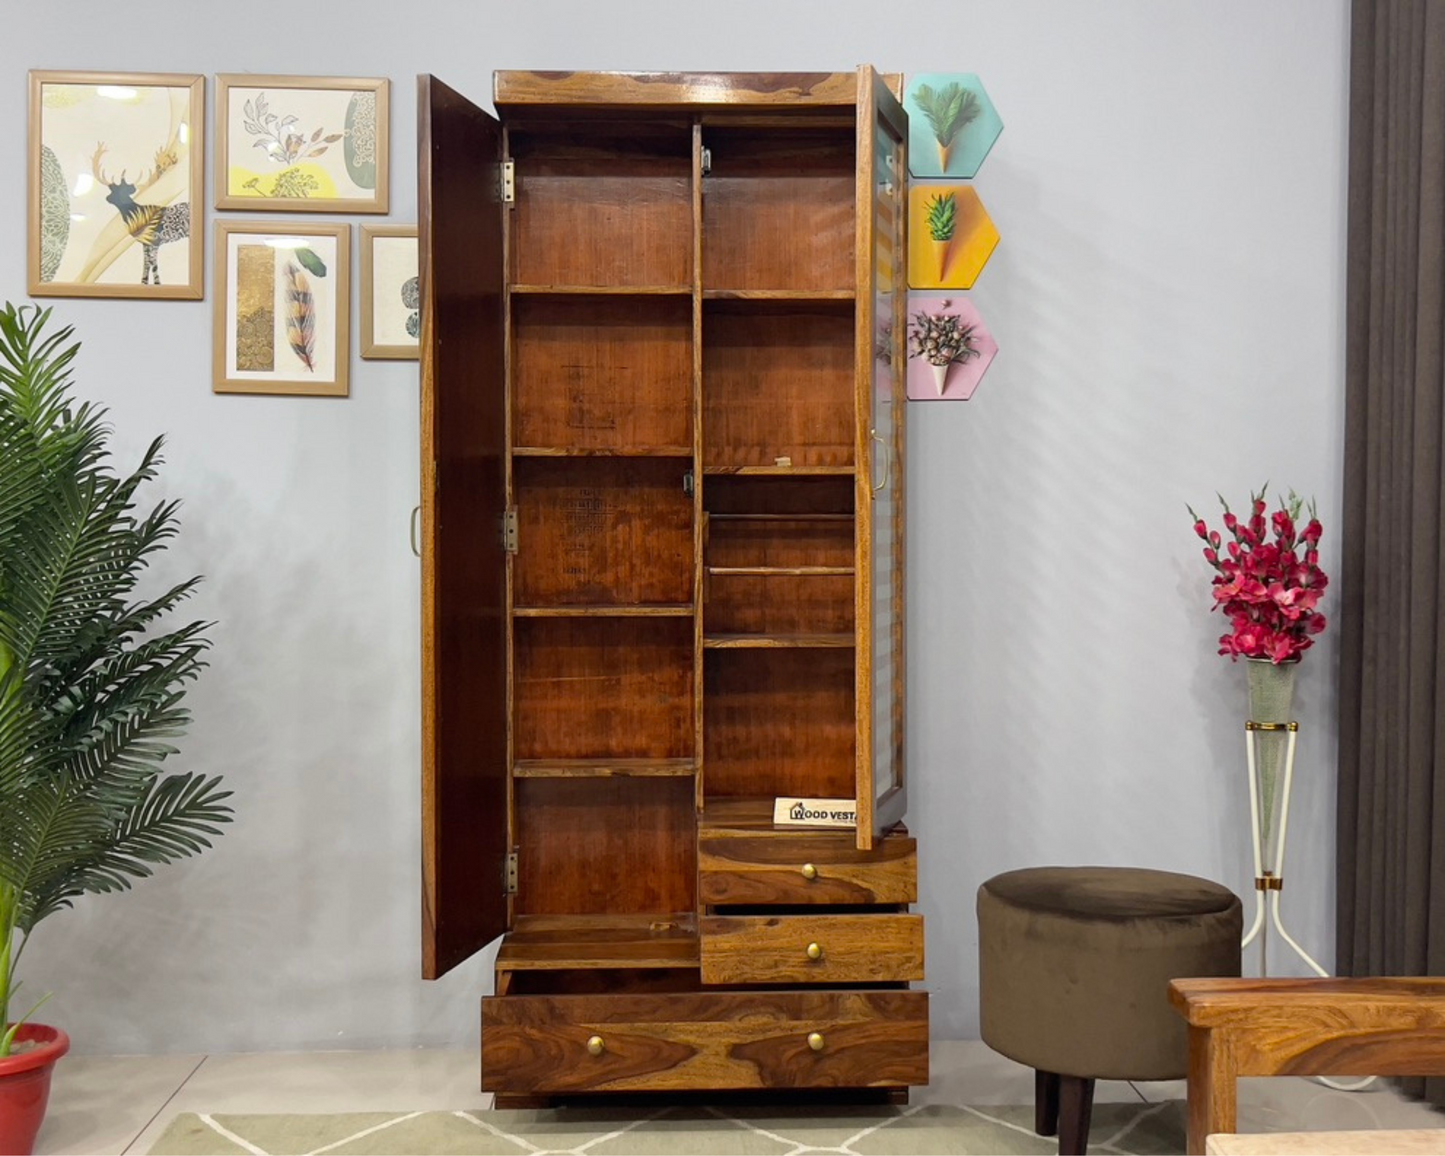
[[116, 180], [302, 144], [282, 309]]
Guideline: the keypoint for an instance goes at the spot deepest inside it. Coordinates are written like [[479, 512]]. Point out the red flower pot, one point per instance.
[[25, 1086]]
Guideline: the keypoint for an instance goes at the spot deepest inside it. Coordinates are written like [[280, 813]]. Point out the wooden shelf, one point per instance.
[[782, 471], [602, 451], [605, 290], [779, 571], [803, 296], [754, 815], [777, 641], [802, 517], [557, 942], [603, 768], [652, 610]]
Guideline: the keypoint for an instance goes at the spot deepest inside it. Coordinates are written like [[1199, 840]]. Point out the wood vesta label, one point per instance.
[[815, 813]]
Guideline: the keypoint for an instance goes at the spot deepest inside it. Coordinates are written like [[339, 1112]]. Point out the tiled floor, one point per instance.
[[121, 1104]]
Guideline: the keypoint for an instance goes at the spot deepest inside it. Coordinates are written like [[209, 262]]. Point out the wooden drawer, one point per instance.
[[757, 869], [721, 1040], [811, 948]]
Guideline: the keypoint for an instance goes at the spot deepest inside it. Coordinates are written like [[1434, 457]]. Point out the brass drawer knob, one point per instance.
[[815, 951], [809, 871], [595, 1046], [816, 1041]]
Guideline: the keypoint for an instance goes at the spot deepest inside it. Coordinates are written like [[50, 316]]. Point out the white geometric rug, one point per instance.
[[921, 1130]]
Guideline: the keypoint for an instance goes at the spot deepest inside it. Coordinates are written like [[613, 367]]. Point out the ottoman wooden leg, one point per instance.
[[1046, 1103], [1076, 1106]]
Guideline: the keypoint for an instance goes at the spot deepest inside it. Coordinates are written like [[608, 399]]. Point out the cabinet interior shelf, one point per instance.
[[781, 471], [777, 641], [780, 571], [804, 296], [603, 290], [649, 610], [602, 768], [602, 451], [558, 942], [730, 516]]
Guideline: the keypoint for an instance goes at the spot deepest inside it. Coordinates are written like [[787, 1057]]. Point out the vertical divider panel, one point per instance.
[[699, 512], [511, 501], [863, 316]]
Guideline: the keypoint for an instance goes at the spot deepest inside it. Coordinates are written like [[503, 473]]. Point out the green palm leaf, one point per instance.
[[948, 110], [91, 681]]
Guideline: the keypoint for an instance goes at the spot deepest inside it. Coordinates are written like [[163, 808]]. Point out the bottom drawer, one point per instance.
[[544, 1044]]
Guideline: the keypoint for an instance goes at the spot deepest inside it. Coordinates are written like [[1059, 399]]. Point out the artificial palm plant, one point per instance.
[[91, 680]]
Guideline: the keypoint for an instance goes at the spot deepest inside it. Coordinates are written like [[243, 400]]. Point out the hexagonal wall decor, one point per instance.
[[949, 347], [950, 236], [952, 124]]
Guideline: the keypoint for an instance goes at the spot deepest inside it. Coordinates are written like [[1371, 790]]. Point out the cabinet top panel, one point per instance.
[[689, 90]]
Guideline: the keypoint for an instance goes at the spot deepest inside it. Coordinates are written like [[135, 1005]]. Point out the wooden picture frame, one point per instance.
[[93, 235], [390, 294], [282, 308], [302, 144]]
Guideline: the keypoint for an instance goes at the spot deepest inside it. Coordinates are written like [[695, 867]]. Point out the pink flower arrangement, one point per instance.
[[1267, 580]]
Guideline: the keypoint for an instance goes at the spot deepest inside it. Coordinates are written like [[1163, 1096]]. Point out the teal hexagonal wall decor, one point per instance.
[[952, 124]]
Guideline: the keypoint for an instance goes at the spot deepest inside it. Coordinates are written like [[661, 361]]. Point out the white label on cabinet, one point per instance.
[[815, 813]]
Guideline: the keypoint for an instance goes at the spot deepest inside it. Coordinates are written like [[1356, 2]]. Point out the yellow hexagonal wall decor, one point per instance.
[[950, 236]]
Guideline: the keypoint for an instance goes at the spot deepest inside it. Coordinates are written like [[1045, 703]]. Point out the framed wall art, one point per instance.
[[302, 144], [282, 308], [115, 183], [390, 293]]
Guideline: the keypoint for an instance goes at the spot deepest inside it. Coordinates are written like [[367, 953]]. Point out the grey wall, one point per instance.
[[1168, 296]]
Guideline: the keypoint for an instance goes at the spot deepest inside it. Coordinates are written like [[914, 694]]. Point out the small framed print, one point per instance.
[[115, 177], [302, 144], [390, 294], [283, 308]]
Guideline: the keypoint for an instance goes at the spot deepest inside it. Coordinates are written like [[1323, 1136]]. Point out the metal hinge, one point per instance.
[[706, 161], [511, 872], [509, 531], [688, 483], [509, 183]]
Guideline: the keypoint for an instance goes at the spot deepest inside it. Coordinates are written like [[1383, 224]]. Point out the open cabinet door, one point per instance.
[[464, 652], [882, 317]]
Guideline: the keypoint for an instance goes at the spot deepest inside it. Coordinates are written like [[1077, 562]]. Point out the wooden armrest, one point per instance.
[[1374, 1002], [1274, 1027]]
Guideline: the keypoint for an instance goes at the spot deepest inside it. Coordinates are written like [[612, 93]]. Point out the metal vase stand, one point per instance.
[[1269, 878]]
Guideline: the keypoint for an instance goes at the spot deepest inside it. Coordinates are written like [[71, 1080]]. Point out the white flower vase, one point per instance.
[[940, 375], [1271, 693]]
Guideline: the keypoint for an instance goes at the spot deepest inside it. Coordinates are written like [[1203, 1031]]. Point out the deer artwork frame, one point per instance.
[[302, 144], [94, 229]]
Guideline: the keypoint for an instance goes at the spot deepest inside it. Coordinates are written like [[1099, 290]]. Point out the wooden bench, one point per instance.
[[1302, 1027]]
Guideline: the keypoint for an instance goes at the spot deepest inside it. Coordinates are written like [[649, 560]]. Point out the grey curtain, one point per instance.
[[1391, 826]]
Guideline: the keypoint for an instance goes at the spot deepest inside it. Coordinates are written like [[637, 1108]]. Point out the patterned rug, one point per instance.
[[921, 1130]]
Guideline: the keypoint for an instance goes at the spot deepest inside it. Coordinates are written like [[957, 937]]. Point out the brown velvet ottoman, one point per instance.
[[1074, 965]]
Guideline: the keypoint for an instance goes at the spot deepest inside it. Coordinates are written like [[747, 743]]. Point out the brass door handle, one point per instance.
[[415, 545], [595, 1046], [816, 1041], [809, 871], [815, 951]]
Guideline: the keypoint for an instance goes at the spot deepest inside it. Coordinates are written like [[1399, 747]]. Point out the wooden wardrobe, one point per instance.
[[662, 547]]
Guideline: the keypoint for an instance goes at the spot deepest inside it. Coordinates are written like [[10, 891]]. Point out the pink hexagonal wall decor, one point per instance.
[[949, 347]]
